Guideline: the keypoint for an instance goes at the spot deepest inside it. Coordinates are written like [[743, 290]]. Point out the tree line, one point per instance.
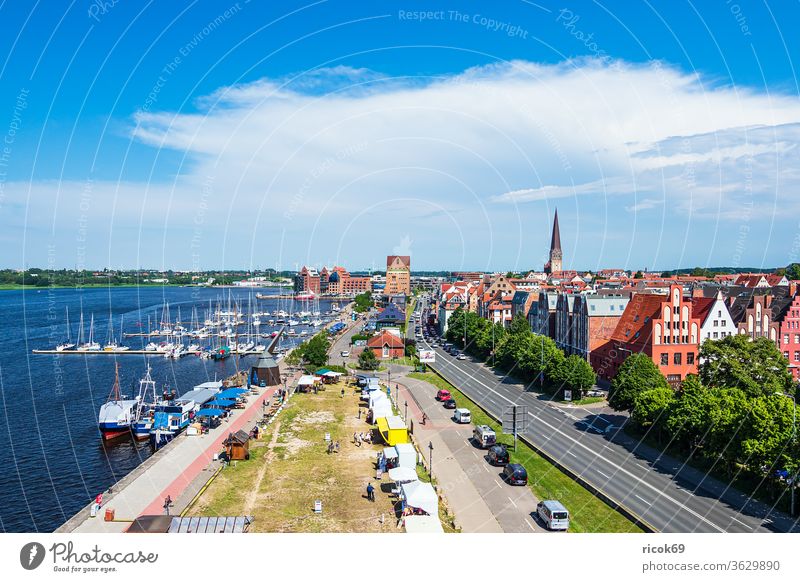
[[737, 415], [516, 349]]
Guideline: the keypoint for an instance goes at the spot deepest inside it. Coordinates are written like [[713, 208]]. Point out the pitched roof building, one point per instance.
[[555, 263]]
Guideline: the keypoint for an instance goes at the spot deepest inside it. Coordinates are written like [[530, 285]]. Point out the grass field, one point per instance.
[[588, 514], [290, 468]]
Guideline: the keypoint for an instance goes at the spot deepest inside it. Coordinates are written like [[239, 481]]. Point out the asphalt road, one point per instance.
[[652, 489]]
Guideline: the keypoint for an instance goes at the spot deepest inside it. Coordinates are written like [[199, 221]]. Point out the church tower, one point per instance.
[[554, 265]]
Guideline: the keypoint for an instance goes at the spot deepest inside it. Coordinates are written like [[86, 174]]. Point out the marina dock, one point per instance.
[[131, 352]]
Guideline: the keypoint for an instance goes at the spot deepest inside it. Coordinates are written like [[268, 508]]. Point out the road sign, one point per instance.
[[515, 419], [567, 395], [427, 357]]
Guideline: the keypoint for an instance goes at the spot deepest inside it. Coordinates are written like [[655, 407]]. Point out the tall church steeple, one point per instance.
[[554, 265]]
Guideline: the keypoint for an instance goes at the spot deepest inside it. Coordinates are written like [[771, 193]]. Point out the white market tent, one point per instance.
[[330, 374], [422, 524], [403, 475], [420, 495], [306, 380], [377, 397], [390, 453], [407, 455]]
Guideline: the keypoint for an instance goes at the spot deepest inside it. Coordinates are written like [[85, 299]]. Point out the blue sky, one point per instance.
[[240, 135]]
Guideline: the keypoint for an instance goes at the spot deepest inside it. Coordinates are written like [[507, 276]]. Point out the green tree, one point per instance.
[[757, 367], [363, 302], [316, 350], [636, 374], [793, 272], [691, 409], [728, 408], [367, 360], [638, 275], [575, 374], [651, 409], [294, 357]]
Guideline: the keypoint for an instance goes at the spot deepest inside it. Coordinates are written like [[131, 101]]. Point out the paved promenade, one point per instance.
[[169, 472]]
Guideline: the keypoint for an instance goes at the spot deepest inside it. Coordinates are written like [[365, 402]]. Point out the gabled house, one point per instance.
[[664, 328], [386, 345], [715, 319], [541, 316], [789, 336]]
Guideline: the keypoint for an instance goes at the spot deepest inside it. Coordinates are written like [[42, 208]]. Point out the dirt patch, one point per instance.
[[317, 418]]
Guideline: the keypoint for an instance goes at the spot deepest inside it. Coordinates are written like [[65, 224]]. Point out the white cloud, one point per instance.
[[339, 158]]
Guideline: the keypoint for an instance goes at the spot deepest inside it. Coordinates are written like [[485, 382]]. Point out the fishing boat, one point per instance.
[[151, 347], [221, 353], [117, 414], [145, 408]]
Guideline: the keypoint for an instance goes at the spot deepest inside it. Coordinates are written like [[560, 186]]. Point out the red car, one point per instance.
[[443, 395]]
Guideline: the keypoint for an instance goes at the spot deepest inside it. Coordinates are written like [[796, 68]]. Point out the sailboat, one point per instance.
[[91, 345], [116, 415], [66, 344]]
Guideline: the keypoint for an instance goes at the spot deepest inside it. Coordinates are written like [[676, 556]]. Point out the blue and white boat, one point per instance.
[[145, 409], [170, 418]]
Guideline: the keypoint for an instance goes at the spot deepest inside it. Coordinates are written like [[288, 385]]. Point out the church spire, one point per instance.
[[554, 265], [555, 242]]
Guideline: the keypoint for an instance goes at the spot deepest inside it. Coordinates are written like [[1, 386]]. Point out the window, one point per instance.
[[716, 323], [676, 358], [796, 356], [715, 334], [690, 358], [719, 313], [797, 338], [722, 323], [786, 355], [664, 359], [786, 338], [611, 308]]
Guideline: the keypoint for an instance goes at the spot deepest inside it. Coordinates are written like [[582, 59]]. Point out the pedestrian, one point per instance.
[[167, 504], [358, 439], [337, 446], [359, 413], [370, 492], [342, 392]]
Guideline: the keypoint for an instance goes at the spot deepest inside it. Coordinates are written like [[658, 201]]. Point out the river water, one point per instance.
[[53, 460]]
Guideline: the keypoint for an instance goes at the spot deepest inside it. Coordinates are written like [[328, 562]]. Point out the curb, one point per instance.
[[594, 490]]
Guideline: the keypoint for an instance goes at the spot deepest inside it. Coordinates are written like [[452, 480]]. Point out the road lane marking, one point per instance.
[[573, 454], [529, 525], [641, 498], [512, 502], [619, 469], [603, 474]]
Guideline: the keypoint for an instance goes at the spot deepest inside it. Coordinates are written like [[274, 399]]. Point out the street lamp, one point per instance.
[[430, 458]]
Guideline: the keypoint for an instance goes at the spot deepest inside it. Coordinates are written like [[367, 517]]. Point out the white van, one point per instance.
[[484, 436], [462, 416], [554, 515]]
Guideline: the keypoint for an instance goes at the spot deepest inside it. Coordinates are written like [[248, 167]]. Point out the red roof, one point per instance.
[[637, 318], [701, 307], [385, 338]]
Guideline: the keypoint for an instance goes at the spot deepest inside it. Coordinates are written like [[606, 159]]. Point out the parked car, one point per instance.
[[498, 456], [484, 436], [443, 395], [554, 515], [345, 353], [462, 416], [450, 403], [461, 357], [515, 474]]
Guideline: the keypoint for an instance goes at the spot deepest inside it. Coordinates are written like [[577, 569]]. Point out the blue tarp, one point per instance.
[[210, 412], [231, 393], [221, 403]]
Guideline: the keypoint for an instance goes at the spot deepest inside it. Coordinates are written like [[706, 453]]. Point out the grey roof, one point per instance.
[[605, 305], [520, 297], [265, 360], [199, 395]]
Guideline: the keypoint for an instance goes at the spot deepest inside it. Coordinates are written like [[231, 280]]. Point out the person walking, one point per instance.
[[370, 492], [342, 392]]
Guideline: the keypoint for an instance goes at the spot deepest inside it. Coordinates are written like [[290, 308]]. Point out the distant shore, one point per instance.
[[122, 285]]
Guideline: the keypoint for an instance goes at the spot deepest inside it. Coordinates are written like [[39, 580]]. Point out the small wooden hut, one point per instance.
[[237, 446]]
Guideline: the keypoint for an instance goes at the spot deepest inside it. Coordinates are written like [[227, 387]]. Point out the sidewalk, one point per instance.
[[472, 514], [172, 471]]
